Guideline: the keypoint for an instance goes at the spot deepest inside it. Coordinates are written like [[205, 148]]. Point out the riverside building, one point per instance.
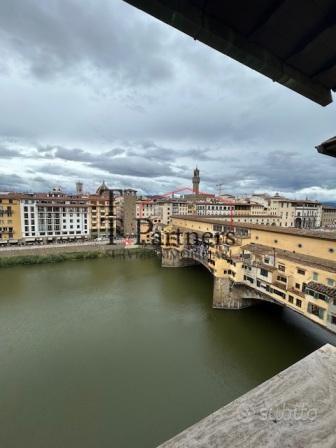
[[54, 216], [10, 218]]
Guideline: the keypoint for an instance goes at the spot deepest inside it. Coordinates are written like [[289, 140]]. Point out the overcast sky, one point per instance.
[[99, 90]]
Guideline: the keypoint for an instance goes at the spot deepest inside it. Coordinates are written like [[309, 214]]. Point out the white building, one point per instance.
[[53, 216]]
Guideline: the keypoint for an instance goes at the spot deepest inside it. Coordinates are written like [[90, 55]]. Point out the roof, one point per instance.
[[241, 215], [323, 289], [307, 260], [295, 201], [266, 228], [290, 41], [102, 188]]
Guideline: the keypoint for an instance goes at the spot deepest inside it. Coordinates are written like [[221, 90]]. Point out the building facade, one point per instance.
[[54, 216], [304, 214], [328, 219], [10, 218]]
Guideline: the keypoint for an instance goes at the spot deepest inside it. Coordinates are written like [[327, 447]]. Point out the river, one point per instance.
[[124, 354]]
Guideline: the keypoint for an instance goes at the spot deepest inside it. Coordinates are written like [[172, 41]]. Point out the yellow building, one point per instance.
[[99, 222], [10, 219], [288, 266]]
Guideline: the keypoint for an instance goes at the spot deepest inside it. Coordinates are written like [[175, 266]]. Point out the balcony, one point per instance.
[[320, 292]]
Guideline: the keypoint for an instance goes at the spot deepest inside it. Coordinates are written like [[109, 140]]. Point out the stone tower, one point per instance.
[[196, 181], [79, 187]]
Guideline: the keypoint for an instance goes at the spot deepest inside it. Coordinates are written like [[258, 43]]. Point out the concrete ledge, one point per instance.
[[294, 409]]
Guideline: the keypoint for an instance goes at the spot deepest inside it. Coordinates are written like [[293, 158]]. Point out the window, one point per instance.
[[298, 303], [315, 310], [263, 272], [321, 296], [315, 276], [330, 282], [333, 319], [297, 286], [290, 299], [279, 293], [281, 267], [282, 279], [301, 271]]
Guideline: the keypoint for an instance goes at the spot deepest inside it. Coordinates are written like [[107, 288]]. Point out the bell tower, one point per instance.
[[196, 181]]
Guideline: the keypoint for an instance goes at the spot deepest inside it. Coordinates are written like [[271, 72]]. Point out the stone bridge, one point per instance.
[[226, 293]]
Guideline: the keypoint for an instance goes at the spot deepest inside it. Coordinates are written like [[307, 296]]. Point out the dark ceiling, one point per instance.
[[293, 42]]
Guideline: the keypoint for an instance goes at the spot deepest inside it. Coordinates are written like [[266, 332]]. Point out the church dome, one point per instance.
[[102, 188]]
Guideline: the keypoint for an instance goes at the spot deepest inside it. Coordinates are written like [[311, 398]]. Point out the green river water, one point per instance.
[[124, 354]]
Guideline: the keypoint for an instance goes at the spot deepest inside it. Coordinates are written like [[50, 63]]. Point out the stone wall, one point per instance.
[[58, 254], [59, 249]]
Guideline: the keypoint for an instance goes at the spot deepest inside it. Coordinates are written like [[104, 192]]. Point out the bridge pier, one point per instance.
[[172, 258], [227, 296]]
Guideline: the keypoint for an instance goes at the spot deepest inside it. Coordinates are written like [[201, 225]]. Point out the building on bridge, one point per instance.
[[291, 267]]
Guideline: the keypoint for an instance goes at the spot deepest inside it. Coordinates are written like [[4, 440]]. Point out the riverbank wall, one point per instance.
[[57, 254]]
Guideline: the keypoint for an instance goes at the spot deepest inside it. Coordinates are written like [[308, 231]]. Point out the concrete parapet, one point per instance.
[[295, 408]]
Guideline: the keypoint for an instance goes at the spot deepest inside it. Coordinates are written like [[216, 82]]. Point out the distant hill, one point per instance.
[[331, 204]]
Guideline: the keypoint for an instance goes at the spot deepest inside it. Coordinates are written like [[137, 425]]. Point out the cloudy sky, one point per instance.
[[99, 90]]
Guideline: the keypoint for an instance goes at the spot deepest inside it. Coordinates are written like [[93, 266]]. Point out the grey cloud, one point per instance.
[[60, 170], [6, 153], [12, 182], [286, 171], [132, 100], [133, 166], [75, 154], [53, 38]]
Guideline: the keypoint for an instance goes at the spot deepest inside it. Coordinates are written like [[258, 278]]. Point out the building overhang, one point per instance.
[[291, 44], [328, 147]]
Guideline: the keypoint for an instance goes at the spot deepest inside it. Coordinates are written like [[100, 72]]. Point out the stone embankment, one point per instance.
[[58, 253]]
